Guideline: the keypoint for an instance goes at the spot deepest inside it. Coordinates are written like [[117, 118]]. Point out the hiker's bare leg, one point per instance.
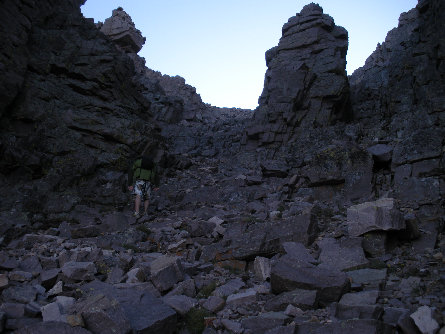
[[137, 203], [146, 205]]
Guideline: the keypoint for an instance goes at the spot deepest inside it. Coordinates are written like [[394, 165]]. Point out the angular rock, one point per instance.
[[364, 326], [20, 276], [262, 323], [381, 152], [261, 267], [51, 327], [186, 288], [232, 326], [4, 282], [368, 278], [214, 304], [13, 310], [298, 251], [374, 243], [181, 304], [49, 277], [245, 297], [20, 294], [52, 312], [79, 271], [341, 255], [166, 271], [424, 320], [374, 216], [148, 315], [135, 275], [392, 315], [359, 305], [303, 299], [102, 315], [287, 274], [229, 288]]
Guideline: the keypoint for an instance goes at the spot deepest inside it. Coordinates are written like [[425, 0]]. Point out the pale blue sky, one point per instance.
[[219, 46]]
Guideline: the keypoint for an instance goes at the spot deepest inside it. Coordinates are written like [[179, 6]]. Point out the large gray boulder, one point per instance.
[[342, 255], [288, 274], [380, 215], [165, 272], [148, 315]]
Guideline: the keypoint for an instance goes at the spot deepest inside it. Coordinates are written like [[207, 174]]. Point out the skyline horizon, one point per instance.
[[206, 60]]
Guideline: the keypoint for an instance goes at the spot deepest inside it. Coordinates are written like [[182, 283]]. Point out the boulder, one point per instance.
[[424, 320], [303, 299], [148, 315], [262, 323], [341, 255], [288, 274], [214, 304], [359, 305], [51, 327], [367, 278], [79, 271], [245, 297], [181, 304], [379, 215], [229, 288], [165, 272]]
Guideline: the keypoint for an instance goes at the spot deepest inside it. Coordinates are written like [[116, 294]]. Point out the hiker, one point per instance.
[[142, 180]]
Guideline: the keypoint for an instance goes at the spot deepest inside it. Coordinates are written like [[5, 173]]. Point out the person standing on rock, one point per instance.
[[142, 180]]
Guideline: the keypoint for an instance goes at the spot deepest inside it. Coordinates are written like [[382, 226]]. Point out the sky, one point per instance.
[[218, 47]]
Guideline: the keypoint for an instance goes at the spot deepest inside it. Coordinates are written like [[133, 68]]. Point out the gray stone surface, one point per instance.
[[359, 305], [149, 315], [229, 288], [368, 278], [424, 320], [165, 272], [52, 327], [288, 274], [244, 297], [181, 304], [345, 254], [79, 271], [261, 267], [305, 84], [382, 214], [214, 304], [303, 299], [261, 323]]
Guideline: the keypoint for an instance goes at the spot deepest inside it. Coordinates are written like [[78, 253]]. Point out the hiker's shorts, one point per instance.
[[143, 188]]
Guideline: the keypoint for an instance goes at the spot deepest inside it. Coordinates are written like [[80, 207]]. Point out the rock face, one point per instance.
[[305, 84], [72, 115], [398, 99]]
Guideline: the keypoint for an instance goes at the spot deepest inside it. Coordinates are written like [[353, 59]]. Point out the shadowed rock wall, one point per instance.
[[71, 114]]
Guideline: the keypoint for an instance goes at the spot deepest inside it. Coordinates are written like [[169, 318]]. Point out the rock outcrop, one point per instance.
[[332, 229], [305, 84], [71, 116]]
